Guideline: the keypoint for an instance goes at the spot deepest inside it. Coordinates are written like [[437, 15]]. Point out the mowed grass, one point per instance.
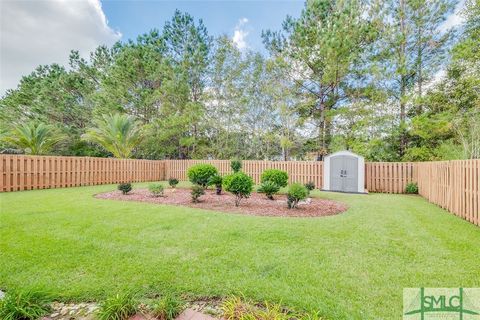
[[350, 266]]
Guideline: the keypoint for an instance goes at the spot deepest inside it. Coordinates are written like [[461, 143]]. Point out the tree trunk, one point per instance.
[[322, 144], [419, 108], [237, 201], [403, 137], [403, 77]]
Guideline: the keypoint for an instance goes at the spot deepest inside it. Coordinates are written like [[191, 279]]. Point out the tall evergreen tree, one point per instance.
[[321, 47], [414, 48]]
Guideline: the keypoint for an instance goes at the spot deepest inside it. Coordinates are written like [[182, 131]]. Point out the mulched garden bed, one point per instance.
[[257, 204]]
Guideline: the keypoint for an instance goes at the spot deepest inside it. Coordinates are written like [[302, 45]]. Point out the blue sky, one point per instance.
[[43, 32], [247, 18]]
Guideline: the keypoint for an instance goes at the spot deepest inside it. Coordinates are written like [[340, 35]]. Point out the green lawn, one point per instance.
[[350, 266]]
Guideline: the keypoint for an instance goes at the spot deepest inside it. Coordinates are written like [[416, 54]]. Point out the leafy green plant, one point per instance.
[[117, 133], [33, 138], [118, 307], [200, 174], [236, 165], [197, 192], [240, 184], [173, 182], [279, 177], [156, 189], [412, 188], [296, 193], [24, 305], [216, 180], [271, 311], [310, 185], [235, 308], [125, 187], [269, 188], [167, 307], [239, 308]]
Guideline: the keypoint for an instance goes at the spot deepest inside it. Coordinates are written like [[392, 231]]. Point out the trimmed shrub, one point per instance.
[[156, 189], [119, 307], [296, 192], [310, 185], [269, 188], [125, 187], [279, 177], [168, 307], [240, 184], [217, 182], [197, 192], [200, 174], [173, 182], [24, 305], [236, 165], [412, 188]]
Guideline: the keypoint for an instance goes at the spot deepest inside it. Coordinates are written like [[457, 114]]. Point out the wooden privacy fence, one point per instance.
[[453, 185], [389, 177], [43, 172], [298, 171]]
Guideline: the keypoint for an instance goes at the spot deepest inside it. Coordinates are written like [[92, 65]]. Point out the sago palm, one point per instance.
[[33, 138], [118, 134]]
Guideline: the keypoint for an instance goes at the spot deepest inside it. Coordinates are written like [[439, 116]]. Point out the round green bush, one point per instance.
[[240, 184], [279, 177], [412, 188], [196, 192], [201, 173], [216, 181], [269, 188], [173, 182], [296, 192], [125, 187], [236, 165], [310, 185], [156, 189]]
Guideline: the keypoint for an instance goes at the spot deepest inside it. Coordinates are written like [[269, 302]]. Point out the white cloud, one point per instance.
[[44, 32], [438, 77], [242, 21], [240, 34], [455, 18]]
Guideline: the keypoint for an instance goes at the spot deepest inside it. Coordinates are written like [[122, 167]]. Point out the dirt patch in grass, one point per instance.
[[257, 204]]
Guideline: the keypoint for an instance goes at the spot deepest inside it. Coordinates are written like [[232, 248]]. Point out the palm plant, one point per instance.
[[117, 133], [33, 137]]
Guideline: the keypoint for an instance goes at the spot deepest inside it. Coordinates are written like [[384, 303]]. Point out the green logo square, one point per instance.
[[441, 303]]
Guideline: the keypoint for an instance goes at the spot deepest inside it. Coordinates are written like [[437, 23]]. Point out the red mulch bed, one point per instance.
[[257, 204]]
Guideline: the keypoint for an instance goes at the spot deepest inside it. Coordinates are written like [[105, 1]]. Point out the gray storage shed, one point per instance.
[[344, 171]]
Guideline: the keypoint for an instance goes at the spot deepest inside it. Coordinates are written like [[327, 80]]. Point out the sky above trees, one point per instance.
[[43, 32], [360, 75]]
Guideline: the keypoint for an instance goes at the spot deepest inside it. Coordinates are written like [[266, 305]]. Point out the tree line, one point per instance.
[[357, 74]]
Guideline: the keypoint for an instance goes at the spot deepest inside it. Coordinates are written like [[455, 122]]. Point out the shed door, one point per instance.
[[350, 174], [336, 173], [344, 173]]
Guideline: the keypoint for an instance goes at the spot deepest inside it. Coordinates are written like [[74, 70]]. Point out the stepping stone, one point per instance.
[[141, 316], [190, 314]]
